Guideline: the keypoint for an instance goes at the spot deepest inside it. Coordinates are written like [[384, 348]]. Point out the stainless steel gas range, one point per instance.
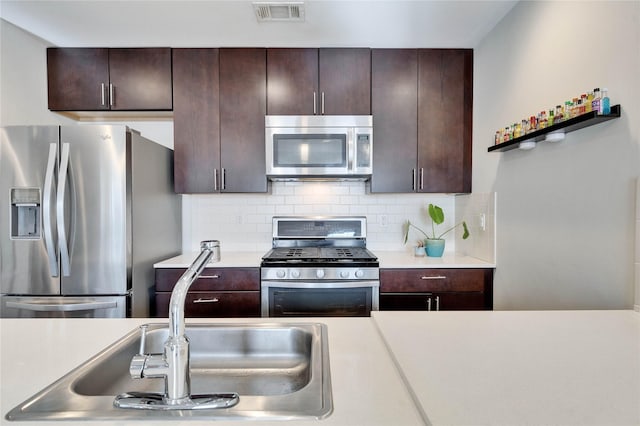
[[319, 266]]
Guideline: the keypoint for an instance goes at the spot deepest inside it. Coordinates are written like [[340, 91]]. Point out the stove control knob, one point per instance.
[[320, 273], [295, 273], [344, 274], [280, 273], [359, 273]]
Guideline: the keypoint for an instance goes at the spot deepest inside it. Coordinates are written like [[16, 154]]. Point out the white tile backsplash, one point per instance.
[[243, 221]]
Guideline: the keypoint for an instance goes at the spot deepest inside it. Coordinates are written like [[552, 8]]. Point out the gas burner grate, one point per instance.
[[344, 252], [294, 253]]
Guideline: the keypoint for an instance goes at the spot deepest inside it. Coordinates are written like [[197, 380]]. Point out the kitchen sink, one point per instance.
[[280, 371]]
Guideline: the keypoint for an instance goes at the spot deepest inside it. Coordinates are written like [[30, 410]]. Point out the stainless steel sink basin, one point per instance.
[[280, 371]]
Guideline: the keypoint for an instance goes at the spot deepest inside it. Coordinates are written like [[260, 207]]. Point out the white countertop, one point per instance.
[[519, 367], [367, 388], [399, 259], [460, 368], [388, 259]]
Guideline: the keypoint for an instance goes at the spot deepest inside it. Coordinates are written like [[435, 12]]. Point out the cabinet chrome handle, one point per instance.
[[315, 100], [211, 277], [223, 179], [413, 179], [433, 277], [322, 103], [215, 179], [428, 303], [201, 300], [421, 178], [111, 97], [437, 303], [102, 100]]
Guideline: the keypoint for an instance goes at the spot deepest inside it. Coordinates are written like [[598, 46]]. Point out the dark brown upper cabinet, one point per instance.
[[394, 100], [422, 103], [243, 105], [445, 106], [196, 120], [330, 81], [100, 79], [219, 109]]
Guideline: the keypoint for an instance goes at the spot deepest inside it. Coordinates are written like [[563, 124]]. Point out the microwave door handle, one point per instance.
[[351, 149]]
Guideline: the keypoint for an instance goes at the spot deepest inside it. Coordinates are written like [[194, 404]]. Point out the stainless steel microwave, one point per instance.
[[319, 146]]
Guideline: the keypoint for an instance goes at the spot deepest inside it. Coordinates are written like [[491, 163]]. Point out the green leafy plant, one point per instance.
[[437, 217]]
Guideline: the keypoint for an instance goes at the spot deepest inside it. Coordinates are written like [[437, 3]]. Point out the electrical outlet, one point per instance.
[[483, 222], [384, 220]]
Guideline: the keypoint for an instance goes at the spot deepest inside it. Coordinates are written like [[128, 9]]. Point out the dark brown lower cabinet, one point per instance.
[[218, 293], [436, 289]]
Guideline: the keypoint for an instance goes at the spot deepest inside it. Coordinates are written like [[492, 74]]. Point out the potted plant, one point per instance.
[[434, 243]]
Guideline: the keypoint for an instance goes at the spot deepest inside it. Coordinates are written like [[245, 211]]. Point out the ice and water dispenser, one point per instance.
[[25, 213]]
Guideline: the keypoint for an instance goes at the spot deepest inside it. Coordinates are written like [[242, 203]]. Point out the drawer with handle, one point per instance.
[[214, 304], [212, 279], [432, 280]]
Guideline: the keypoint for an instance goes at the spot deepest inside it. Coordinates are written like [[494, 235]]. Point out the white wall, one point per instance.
[[23, 85], [566, 211]]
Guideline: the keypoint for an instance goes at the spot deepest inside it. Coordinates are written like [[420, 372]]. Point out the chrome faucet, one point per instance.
[[173, 363]]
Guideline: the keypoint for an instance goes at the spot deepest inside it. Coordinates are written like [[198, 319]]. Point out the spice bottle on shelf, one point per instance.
[[543, 120], [588, 102], [551, 118], [559, 114], [567, 110], [605, 106], [583, 103], [574, 108], [595, 104], [517, 130]]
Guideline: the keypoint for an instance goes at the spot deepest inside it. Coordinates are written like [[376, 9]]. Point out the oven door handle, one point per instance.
[[320, 284]]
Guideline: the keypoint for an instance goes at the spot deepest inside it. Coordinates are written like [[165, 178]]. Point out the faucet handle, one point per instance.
[[136, 368], [143, 338]]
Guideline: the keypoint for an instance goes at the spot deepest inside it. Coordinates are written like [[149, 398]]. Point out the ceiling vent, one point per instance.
[[290, 11]]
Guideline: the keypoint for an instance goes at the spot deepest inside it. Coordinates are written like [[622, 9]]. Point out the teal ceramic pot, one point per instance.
[[434, 248]]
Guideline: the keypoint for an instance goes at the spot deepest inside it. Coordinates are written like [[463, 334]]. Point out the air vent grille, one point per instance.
[[279, 11]]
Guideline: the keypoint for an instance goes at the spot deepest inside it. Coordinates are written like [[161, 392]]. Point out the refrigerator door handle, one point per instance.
[[64, 307], [46, 210], [62, 232]]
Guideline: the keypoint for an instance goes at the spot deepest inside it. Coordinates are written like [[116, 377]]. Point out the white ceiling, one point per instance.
[[220, 23]]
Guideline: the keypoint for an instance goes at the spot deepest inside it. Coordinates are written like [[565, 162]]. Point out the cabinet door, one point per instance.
[[77, 79], [345, 81], [243, 97], [196, 125], [451, 301], [140, 79], [445, 102], [292, 81], [394, 88]]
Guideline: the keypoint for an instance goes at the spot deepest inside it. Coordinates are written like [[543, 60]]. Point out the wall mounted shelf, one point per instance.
[[576, 123]]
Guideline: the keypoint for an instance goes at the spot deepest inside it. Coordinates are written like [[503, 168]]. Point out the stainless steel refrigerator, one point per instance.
[[85, 211]]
